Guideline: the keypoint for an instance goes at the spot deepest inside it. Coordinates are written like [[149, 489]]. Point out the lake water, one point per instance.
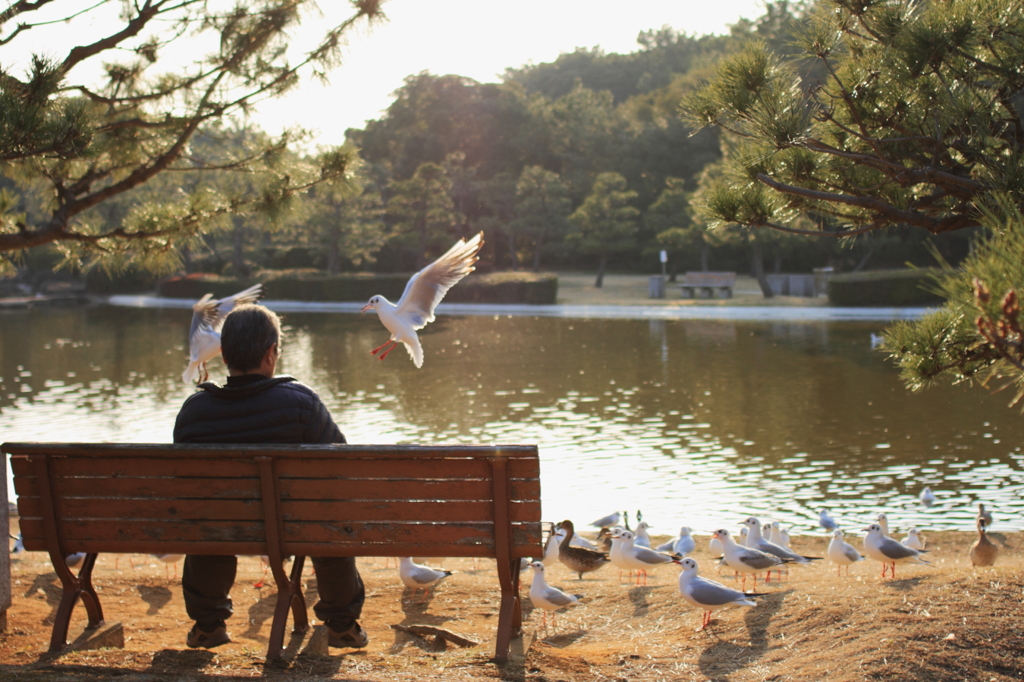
[[695, 422]]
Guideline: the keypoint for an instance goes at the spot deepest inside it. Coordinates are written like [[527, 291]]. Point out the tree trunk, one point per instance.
[[333, 250], [673, 270], [757, 264], [537, 246], [704, 258], [513, 257], [238, 251], [600, 271]]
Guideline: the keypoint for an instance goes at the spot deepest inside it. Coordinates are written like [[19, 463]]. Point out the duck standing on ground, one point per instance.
[[983, 551], [548, 598], [708, 594], [984, 515], [842, 553], [579, 559]]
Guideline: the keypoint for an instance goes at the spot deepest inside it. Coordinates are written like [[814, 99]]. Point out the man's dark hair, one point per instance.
[[248, 333]]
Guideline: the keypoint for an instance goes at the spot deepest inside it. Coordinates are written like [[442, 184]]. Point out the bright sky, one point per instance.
[[474, 38], [480, 39]]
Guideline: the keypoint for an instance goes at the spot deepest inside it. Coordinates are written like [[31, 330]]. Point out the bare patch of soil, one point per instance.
[[938, 623]]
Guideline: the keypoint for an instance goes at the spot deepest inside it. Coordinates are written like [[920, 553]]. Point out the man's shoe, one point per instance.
[[199, 638], [355, 637]]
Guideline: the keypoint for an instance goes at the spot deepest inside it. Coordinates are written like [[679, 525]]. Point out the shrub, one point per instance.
[[313, 285], [885, 288]]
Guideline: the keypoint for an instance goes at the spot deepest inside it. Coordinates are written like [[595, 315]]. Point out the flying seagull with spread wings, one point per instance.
[[422, 294], [208, 315]]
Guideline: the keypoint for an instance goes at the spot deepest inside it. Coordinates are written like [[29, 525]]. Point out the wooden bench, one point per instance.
[[338, 500], [708, 284]]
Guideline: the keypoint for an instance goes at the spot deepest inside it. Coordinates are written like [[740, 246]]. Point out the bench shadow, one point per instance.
[[181, 661], [263, 610], [156, 597], [724, 658]]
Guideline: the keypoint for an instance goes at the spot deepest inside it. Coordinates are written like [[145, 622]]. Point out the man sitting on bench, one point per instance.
[[257, 407]]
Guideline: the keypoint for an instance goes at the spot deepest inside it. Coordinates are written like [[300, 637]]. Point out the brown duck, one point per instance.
[[983, 552], [578, 559]]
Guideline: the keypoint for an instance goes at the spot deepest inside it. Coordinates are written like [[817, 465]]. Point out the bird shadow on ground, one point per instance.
[[724, 658], [561, 640], [157, 597], [638, 597], [905, 584], [49, 585]]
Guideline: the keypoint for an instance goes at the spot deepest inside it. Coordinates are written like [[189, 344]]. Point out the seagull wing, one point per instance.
[[851, 553], [557, 597], [894, 550], [757, 559], [226, 305], [428, 286], [710, 593]]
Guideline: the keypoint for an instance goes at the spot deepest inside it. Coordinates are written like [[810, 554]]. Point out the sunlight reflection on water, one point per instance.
[[699, 423]]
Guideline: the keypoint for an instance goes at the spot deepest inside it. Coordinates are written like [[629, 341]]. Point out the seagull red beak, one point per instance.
[[365, 308]]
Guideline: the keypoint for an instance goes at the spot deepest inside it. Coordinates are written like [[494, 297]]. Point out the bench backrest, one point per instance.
[[710, 279], [338, 500]]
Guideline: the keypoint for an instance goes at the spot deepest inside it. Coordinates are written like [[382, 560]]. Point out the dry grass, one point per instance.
[[945, 622]]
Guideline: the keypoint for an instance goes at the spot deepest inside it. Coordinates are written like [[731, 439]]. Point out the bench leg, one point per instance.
[[289, 598], [510, 618], [73, 588]]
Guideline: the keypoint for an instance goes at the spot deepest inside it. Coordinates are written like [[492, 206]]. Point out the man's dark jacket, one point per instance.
[[254, 409]]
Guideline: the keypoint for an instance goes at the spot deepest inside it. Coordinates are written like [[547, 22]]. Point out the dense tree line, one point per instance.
[[581, 163]]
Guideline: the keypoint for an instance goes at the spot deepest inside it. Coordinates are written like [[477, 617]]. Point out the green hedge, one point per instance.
[[885, 288], [313, 285]]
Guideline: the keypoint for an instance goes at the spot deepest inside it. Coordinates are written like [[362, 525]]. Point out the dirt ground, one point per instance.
[[938, 623]]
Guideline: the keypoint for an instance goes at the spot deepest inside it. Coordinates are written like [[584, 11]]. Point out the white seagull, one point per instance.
[[635, 558], [642, 539], [927, 497], [778, 534], [208, 316], [682, 545], [548, 598], [171, 560], [422, 294], [913, 539], [551, 548], [417, 577], [707, 594], [746, 559], [608, 521], [842, 553], [882, 520], [886, 550], [826, 521], [756, 541]]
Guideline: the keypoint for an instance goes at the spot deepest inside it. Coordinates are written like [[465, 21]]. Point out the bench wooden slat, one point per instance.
[[176, 536], [291, 489], [251, 510], [418, 467], [309, 489], [178, 451]]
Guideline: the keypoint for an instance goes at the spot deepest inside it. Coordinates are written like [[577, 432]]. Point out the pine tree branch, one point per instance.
[[886, 213]]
